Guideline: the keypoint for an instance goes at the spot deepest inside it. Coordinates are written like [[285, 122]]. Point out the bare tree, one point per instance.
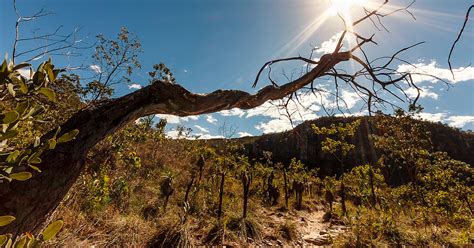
[[461, 31], [32, 201], [55, 43]]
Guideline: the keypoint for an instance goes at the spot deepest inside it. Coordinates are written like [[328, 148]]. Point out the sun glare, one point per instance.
[[343, 6]]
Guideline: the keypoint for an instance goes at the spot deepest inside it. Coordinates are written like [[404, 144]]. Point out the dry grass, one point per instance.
[[133, 216]]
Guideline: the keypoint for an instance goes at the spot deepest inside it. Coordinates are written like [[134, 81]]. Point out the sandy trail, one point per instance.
[[312, 231]]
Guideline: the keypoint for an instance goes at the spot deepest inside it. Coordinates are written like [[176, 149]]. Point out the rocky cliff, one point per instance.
[[304, 144]]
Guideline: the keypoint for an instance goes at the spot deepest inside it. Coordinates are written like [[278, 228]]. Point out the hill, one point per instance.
[[302, 143]]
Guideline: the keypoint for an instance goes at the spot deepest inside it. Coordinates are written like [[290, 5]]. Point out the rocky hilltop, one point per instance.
[[304, 144]]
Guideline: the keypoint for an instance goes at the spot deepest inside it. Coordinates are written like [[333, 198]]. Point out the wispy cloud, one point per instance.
[[95, 68], [134, 86], [425, 92], [175, 134], [208, 136], [434, 117], [458, 121], [232, 112], [244, 134], [275, 125], [329, 45], [211, 119], [461, 74], [202, 129]]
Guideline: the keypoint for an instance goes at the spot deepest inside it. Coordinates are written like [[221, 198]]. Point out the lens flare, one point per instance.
[[343, 6]]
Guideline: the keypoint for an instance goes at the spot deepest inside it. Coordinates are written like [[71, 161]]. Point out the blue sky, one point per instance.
[[212, 44]]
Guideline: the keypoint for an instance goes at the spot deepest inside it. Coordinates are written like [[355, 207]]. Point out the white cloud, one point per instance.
[[211, 119], [135, 86], [232, 112], [173, 119], [268, 109], [244, 134], [172, 134], [95, 68], [202, 129], [275, 125], [305, 109], [329, 45], [460, 120], [350, 98], [208, 136], [436, 117], [461, 74], [424, 93]]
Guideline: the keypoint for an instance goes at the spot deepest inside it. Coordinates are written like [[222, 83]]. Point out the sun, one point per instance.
[[343, 7]]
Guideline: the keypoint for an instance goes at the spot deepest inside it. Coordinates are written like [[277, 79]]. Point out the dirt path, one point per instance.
[[311, 231]]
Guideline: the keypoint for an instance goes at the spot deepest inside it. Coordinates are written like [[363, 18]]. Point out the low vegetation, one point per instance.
[[221, 196]]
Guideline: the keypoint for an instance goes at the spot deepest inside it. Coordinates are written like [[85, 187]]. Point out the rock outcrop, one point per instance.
[[304, 144]]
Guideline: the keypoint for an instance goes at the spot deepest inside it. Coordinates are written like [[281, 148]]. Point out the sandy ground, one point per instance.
[[311, 230]]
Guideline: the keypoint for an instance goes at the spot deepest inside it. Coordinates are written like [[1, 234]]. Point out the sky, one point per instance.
[[221, 44]]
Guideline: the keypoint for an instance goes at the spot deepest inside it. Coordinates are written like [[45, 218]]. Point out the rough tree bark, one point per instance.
[[246, 181], [221, 196]]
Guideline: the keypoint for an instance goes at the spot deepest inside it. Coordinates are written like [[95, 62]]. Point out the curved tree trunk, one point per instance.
[[32, 201]]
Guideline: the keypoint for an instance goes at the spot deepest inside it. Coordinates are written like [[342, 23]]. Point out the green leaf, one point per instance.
[[33, 243], [13, 156], [56, 133], [50, 74], [6, 178], [52, 229], [10, 89], [21, 83], [23, 87], [8, 135], [34, 158], [14, 126], [21, 107], [21, 65], [34, 111], [39, 76], [3, 239], [21, 176], [21, 243], [48, 93], [6, 219], [8, 169], [37, 141], [10, 117], [52, 144], [10, 65], [34, 168], [9, 243], [4, 66], [68, 136]]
